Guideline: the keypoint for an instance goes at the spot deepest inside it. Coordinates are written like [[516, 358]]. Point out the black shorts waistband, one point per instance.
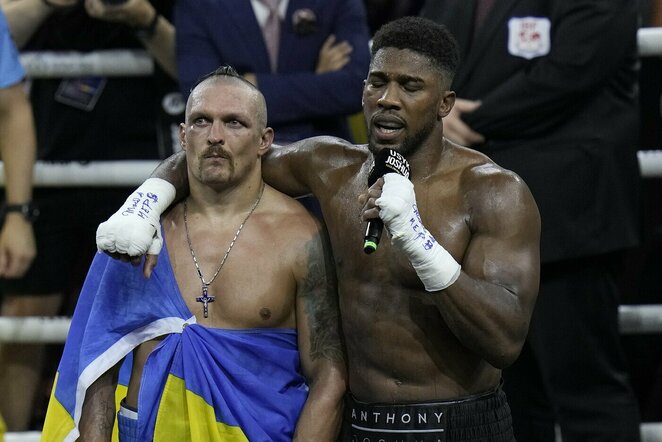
[[483, 417]]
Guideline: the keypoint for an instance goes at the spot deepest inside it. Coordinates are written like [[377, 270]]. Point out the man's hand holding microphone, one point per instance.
[[392, 199]]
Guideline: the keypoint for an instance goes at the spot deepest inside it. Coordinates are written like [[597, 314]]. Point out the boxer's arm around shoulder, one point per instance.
[[489, 306], [173, 170], [320, 342], [293, 168]]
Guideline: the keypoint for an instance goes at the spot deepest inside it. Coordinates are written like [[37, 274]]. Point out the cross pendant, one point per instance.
[[205, 299]]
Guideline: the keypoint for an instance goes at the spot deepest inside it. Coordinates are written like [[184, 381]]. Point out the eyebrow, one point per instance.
[[400, 78], [225, 117]]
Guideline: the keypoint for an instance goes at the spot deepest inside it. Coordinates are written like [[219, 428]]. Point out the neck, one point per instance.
[[231, 200], [429, 157]]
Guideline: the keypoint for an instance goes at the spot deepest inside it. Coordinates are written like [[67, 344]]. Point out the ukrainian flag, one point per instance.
[[199, 383]]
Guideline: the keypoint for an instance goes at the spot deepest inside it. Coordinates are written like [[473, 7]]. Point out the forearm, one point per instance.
[[173, 170], [24, 17], [18, 144], [486, 317], [321, 417], [98, 415], [487, 300], [161, 44]]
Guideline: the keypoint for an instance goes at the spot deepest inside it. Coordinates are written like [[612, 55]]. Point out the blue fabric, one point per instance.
[[127, 428], [250, 378], [11, 71]]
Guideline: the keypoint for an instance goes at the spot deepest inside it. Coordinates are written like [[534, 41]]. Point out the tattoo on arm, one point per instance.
[[98, 415], [105, 415], [320, 299]]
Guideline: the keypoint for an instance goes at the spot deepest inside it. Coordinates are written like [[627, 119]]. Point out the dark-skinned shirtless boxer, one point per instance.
[[432, 317]]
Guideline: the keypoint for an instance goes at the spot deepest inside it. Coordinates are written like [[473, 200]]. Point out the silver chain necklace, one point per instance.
[[205, 299]]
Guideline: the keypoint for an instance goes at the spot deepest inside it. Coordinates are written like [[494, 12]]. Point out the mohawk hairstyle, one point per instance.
[[222, 71], [430, 39]]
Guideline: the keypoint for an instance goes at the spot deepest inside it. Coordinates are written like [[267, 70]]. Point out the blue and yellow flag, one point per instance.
[[198, 384]]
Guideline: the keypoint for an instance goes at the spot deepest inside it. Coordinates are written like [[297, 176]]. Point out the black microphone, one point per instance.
[[386, 161]]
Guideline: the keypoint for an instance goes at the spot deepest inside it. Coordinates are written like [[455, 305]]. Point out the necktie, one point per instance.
[[482, 9], [271, 31]]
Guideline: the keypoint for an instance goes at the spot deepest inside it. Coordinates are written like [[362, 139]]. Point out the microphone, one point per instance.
[[386, 161]]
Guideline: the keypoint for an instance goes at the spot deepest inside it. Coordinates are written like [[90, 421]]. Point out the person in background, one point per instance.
[[241, 317], [17, 151], [541, 96], [18, 147], [308, 58], [434, 314], [381, 12], [91, 118]]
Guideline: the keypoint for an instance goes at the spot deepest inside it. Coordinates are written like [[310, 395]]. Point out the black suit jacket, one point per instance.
[[558, 84]]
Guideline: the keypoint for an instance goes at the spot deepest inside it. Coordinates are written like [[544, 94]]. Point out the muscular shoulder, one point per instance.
[[324, 152], [495, 196], [288, 221]]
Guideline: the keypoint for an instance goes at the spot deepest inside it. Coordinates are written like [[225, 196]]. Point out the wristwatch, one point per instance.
[[28, 210], [147, 32]]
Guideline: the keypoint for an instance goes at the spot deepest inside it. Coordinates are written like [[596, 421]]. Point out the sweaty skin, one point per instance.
[[405, 344]]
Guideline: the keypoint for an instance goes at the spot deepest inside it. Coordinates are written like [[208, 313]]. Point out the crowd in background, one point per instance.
[[313, 87]]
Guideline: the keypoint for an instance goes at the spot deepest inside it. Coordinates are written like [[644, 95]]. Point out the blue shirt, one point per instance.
[[11, 71]]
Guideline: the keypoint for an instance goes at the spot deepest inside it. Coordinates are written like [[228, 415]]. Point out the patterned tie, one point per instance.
[[482, 9], [271, 31]]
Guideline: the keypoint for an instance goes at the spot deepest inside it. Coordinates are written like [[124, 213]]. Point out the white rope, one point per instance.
[[122, 62], [34, 329], [27, 436], [649, 42], [633, 319], [91, 174], [651, 432], [134, 172], [650, 163]]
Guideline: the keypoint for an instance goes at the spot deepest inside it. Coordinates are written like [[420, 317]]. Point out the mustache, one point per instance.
[[216, 151], [387, 114]]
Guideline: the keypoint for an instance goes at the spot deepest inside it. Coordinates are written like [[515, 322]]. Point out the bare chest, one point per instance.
[[249, 287]]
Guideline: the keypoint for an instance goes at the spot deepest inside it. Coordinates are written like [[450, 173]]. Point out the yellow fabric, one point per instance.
[[58, 422], [358, 128], [3, 428], [198, 424]]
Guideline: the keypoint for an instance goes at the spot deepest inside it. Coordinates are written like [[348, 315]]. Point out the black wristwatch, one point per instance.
[[147, 32], [28, 210]]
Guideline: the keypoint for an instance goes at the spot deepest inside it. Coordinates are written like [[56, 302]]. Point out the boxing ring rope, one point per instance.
[[633, 319], [109, 63], [130, 173], [649, 42], [139, 63]]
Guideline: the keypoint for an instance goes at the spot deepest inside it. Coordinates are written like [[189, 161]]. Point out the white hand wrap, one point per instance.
[[134, 229], [433, 264]]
